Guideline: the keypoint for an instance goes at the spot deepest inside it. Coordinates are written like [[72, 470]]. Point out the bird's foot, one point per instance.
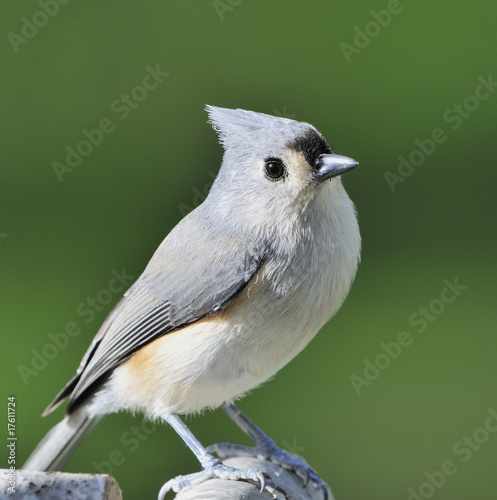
[[269, 451], [214, 468]]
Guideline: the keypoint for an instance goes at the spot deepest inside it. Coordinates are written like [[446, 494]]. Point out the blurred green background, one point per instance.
[[373, 98]]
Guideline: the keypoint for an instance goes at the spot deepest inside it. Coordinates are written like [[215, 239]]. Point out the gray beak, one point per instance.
[[331, 165]]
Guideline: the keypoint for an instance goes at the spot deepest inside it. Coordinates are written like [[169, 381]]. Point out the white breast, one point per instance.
[[223, 356]]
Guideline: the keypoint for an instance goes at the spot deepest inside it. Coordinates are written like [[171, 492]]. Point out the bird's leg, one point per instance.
[[212, 467], [266, 449]]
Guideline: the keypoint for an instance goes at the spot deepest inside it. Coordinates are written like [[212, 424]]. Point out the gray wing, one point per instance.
[[181, 285]]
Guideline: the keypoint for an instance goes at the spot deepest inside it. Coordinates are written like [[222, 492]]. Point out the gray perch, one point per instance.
[[218, 489], [34, 485]]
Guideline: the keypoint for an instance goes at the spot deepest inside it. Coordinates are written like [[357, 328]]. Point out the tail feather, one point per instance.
[[57, 447], [66, 391]]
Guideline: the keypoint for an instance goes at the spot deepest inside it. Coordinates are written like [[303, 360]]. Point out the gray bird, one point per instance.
[[237, 289]]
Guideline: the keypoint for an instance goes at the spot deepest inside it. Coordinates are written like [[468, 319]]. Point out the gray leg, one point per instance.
[[266, 449], [190, 440], [248, 427], [212, 467]]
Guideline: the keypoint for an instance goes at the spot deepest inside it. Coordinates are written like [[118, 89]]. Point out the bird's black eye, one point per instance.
[[275, 170]]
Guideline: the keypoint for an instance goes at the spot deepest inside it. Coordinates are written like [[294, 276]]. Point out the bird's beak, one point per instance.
[[331, 165]]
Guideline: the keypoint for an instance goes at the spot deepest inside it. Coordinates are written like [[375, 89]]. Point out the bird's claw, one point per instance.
[[217, 469], [306, 477], [279, 457], [262, 480]]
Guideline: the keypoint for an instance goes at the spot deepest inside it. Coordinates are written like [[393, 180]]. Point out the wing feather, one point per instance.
[[165, 298]]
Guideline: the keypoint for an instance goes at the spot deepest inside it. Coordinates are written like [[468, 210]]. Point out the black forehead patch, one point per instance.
[[311, 144]]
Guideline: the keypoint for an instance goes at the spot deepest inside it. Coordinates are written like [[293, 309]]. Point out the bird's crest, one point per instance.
[[240, 128], [235, 125]]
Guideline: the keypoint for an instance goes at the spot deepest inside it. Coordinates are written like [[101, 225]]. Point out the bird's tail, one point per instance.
[[57, 447]]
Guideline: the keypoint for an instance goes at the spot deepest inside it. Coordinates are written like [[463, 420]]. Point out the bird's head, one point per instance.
[[273, 168]]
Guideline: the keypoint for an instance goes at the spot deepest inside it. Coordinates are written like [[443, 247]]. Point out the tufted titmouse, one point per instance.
[[235, 291]]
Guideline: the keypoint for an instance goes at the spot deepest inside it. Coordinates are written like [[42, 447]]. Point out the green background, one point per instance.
[[64, 238]]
